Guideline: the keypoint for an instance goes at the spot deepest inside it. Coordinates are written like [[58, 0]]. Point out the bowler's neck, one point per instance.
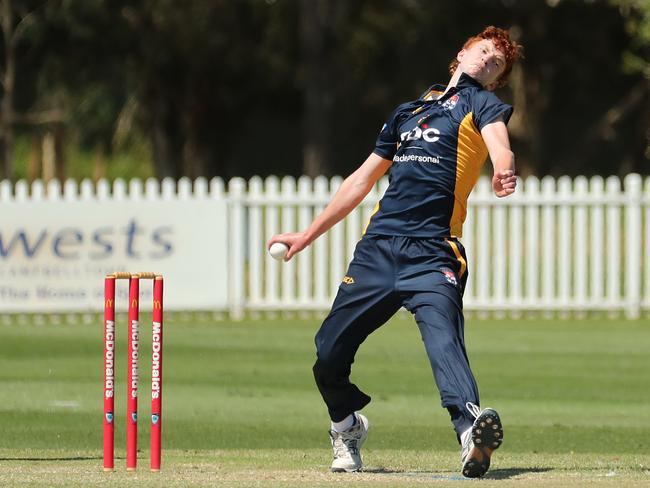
[[454, 80]]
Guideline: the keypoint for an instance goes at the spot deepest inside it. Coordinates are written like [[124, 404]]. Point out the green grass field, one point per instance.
[[240, 407]]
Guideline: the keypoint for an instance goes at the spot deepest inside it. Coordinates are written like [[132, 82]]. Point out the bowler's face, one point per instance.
[[483, 62]]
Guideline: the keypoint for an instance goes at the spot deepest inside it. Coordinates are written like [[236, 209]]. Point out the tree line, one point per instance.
[[243, 87]]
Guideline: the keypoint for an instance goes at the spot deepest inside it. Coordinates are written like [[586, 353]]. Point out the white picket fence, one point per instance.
[[567, 246], [555, 246]]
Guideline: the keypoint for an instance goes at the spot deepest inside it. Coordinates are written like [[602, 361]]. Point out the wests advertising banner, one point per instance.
[[54, 254]]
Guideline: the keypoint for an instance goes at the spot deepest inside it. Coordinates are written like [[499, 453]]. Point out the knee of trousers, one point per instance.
[[326, 372], [331, 350]]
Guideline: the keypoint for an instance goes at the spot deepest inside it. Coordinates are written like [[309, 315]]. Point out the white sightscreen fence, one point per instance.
[[309, 281], [566, 246]]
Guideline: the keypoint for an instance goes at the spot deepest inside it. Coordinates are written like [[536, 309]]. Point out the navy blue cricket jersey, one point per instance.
[[437, 151]]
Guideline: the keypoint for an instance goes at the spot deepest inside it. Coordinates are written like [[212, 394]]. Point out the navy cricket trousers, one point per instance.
[[427, 277]]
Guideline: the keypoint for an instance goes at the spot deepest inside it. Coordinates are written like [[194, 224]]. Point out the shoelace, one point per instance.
[[345, 442], [473, 409]]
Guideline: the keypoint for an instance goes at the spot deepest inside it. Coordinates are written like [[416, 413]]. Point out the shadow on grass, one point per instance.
[[431, 475], [70, 458], [496, 474], [504, 474]]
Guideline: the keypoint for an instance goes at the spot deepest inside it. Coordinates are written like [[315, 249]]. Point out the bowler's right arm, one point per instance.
[[352, 191]]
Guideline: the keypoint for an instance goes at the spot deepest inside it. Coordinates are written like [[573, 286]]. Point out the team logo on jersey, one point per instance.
[[451, 277], [450, 103], [348, 280]]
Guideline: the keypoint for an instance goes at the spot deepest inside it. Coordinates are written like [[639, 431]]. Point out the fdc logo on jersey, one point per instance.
[[430, 134]]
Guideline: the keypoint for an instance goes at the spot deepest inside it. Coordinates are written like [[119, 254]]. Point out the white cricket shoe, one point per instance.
[[480, 441], [347, 446]]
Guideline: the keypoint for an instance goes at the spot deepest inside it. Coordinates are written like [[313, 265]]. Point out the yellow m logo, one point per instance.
[[109, 303], [157, 304]]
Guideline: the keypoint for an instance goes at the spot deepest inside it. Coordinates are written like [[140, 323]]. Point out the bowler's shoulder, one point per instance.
[[482, 96], [486, 106]]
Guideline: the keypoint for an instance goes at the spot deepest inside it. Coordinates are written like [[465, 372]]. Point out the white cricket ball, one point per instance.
[[278, 250]]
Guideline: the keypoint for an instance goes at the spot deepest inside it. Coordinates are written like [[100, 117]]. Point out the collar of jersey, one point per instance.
[[465, 81]]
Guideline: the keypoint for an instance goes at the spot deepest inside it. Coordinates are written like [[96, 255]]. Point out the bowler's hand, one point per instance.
[[296, 241], [504, 183]]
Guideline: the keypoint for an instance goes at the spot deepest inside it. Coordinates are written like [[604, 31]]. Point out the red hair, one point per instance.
[[501, 39]]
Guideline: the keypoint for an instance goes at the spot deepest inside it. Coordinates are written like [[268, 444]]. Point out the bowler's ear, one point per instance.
[[492, 86], [460, 54]]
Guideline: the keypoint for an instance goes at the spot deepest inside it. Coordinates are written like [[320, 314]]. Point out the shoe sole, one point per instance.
[[487, 436], [366, 425], [343, 470]]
